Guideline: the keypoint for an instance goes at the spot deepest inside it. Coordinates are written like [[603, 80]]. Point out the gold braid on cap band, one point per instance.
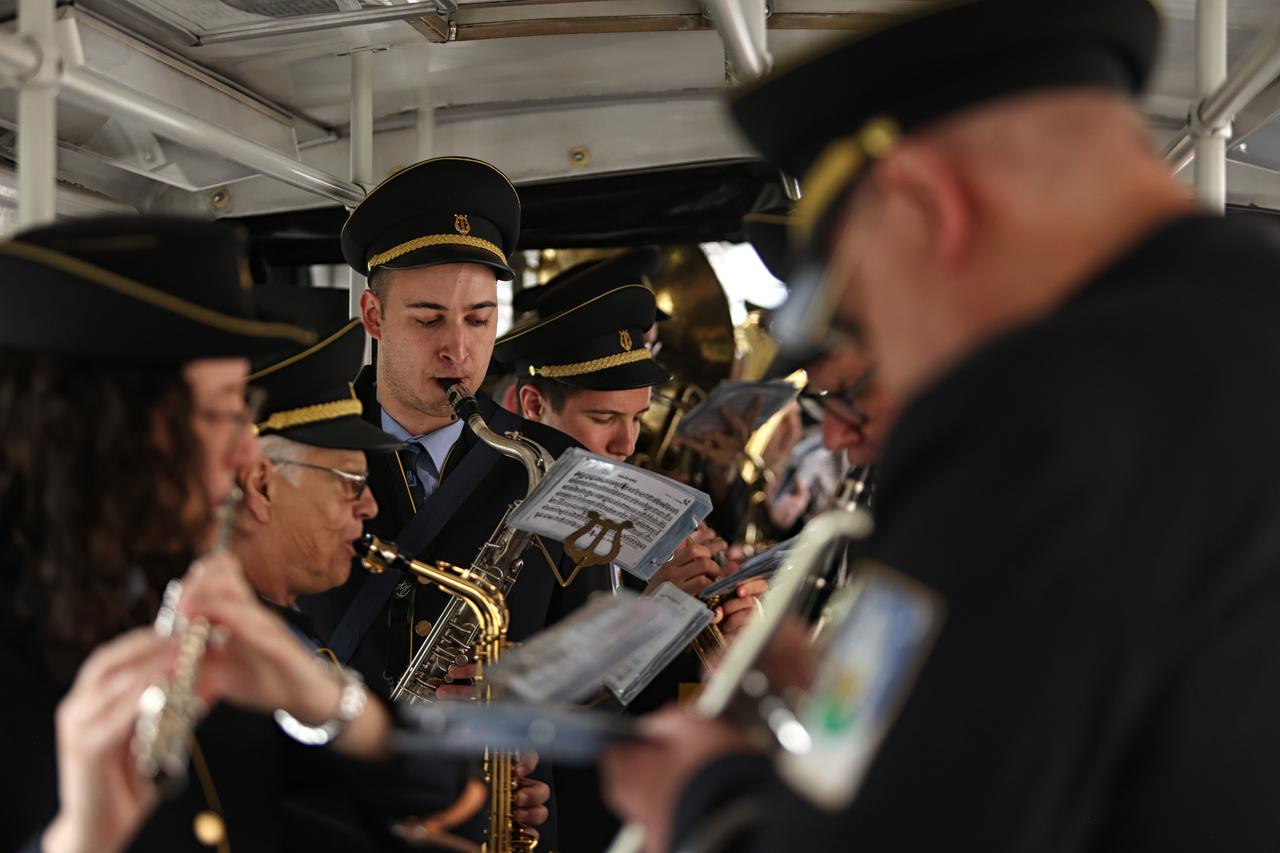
[[839, 164], [434, 240], [290, 418], [559, 371]]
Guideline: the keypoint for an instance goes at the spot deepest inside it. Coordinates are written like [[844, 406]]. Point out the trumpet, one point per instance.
[[168, 711]]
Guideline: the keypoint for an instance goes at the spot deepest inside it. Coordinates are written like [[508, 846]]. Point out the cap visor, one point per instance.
[[349, 433]]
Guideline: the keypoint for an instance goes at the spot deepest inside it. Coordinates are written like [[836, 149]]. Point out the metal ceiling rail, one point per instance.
[[1259, 66], [742, 37], [19, 60], [326, 21]]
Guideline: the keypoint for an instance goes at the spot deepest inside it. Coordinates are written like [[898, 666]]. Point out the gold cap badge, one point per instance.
[[461, 224]]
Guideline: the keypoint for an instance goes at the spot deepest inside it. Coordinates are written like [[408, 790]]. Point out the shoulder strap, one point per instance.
[[417, 534]]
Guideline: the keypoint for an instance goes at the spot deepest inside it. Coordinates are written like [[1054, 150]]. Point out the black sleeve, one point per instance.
[[728, 517], [1098, 682], [405, 785]]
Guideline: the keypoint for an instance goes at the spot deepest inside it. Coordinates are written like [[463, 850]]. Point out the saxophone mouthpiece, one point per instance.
[[461, 400]]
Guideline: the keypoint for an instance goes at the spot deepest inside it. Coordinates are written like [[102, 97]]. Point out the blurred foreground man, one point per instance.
[[1085, 468]]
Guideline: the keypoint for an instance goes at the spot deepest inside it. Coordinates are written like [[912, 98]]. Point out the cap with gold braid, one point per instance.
[[310, 399], [597, 345], [150, 290], [447, 210], [827, 119]]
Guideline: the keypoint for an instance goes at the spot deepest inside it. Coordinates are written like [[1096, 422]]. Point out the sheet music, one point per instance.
[[454, 727], [688, 617], [737, 397], [569, 661], [623, 514]]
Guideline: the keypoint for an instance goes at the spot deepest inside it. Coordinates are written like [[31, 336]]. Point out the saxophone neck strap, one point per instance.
[[417, 535]]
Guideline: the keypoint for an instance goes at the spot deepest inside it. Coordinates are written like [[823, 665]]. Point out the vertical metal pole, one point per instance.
[[1211, 73], [426, 132], [38, 118], [361, 147]]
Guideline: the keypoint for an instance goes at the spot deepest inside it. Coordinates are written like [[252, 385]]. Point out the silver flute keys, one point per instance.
[[167, 711]]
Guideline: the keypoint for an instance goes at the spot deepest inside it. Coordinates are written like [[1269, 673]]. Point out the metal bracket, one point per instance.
[[1200, 129]]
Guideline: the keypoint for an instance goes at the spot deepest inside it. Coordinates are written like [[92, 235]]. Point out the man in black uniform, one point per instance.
[[583, 368], [1085, 468], [305, 502], [434, 239]]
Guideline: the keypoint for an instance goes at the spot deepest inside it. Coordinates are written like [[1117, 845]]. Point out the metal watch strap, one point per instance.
[[351, 703]]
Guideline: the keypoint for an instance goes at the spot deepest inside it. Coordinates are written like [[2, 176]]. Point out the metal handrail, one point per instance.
[[325, 21], [1257, 69], [19, 60], [730, 19]]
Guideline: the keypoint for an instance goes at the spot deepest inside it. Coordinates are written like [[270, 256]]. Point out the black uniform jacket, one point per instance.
[[537, 599], [272, 793], [1097, 498]]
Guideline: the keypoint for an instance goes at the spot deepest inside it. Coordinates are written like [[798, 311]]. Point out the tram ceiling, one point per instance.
[[550, 91]]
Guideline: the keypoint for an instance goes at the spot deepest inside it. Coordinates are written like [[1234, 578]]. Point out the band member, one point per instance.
[[1041, 294], [434, 239], [123, 410], [586, 372], [306, 500], [719, 473]]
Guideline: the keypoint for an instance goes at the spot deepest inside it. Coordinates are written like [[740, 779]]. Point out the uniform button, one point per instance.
[[209, 828], [422, 628]]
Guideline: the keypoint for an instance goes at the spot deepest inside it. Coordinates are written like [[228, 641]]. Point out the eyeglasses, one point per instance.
[[355, 483], [844, 403], [241, 419]]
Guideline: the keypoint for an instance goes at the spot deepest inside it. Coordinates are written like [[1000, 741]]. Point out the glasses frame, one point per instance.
[[359, 481], [844, 403]]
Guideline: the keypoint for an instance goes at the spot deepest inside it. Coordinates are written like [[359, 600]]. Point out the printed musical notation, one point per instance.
[[606, 511]]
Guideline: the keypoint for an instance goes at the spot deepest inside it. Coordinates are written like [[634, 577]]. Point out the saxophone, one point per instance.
[[488, 610], [498, 563]]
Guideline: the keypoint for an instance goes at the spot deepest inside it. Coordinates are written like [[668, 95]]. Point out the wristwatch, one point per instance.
[[351, 703]]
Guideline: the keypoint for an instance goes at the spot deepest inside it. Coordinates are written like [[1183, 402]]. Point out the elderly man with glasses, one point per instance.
[[306, 501], [305, 498]]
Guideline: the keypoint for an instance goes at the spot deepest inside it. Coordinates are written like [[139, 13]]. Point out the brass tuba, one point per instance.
[[697, 345]]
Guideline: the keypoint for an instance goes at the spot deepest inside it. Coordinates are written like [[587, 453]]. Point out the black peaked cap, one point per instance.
[[581, 282], [824, 118], [150, 290], [597, 345], [447, 210], [310, 399]]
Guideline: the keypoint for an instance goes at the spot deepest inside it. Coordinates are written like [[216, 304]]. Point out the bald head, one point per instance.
[[990, 219]]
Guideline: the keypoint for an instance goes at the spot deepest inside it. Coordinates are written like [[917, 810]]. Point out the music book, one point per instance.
[[687, 616], [620, 642], [738, 397], [569, 661], [606, 511], [455, 727], [763, 565]]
